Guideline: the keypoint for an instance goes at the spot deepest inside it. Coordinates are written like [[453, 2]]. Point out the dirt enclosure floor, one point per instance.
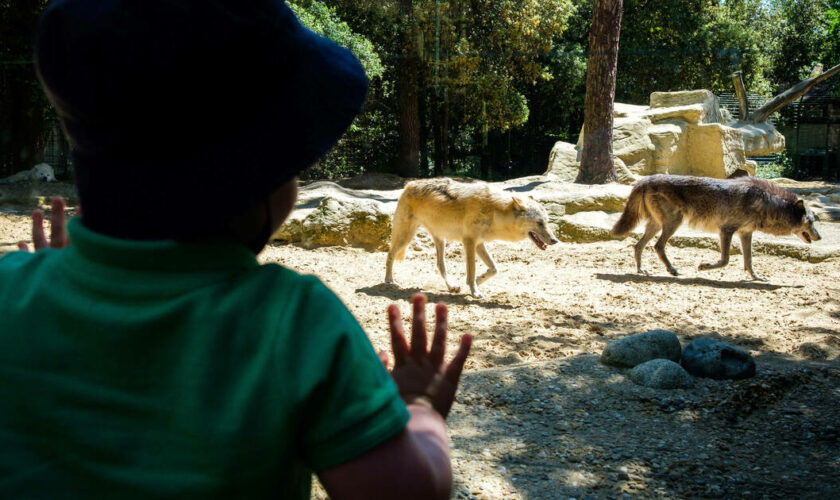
[[538, 417]]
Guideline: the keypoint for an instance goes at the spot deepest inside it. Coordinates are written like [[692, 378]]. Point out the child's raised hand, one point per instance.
[[421, 374], [58, 228]]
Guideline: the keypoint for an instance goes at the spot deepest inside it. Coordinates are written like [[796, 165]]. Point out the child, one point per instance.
[[154, 357]]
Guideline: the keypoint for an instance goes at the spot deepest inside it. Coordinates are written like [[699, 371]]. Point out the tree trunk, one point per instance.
[[408, 162], [741, 93], [596, 165], [444, 132]]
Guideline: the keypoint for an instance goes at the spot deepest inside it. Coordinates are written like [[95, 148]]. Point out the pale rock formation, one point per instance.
[[684, 133]]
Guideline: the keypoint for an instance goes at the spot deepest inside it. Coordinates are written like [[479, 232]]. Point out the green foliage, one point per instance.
[[784, 166], [691, 44], [802, 33], [323, 20]]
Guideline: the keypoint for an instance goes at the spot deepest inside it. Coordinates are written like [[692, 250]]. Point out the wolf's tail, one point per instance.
[[400, 227], [633, 211]]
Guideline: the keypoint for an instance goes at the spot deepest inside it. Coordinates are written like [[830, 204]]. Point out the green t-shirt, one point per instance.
[[137, 369]]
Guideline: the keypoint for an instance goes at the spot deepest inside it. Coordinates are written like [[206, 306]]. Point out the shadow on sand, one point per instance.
[[641, 278], [394, 292]]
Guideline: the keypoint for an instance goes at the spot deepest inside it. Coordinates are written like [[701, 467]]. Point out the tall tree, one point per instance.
[[596, 165], [408, 89], [22, 102]]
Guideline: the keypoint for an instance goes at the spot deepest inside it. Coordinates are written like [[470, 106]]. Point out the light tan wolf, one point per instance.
[[471, 212], [725, 206]]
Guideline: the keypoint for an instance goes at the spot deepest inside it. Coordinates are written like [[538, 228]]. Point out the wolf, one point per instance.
[[471, 212], [41, 172], [725, 206]]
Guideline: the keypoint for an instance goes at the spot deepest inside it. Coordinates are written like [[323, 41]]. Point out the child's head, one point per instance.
[[191, 108]]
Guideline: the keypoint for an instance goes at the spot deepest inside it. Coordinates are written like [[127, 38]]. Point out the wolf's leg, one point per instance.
[[725, 242], [401, 236], [440, 249], [469, 256], [746, 249], [650, 231], [488, 260], [669, 227]]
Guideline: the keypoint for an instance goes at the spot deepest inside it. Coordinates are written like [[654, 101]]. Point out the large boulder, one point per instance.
[[563, 162], [636, 349], [714, 150], [719, 360], [344, 222]]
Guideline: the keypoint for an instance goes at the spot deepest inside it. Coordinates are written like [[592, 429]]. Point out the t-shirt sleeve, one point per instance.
[[355, 406]]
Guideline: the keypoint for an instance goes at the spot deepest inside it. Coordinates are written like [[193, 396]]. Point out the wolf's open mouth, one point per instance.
[[806, 236], [536, 239]]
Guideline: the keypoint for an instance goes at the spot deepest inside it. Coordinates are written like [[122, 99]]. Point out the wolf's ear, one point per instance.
[[799, 204], [529, 196], [518, 203]]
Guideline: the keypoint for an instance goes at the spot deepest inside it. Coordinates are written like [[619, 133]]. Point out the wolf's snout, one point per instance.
[[553, 241]]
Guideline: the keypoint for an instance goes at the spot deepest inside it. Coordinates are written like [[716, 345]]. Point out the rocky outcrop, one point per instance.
[[683, 133]]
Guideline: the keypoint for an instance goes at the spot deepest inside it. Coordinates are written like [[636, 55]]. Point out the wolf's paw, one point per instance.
[[757, 277], [704, 266], [673, 271], [643, 272], [453, 289]]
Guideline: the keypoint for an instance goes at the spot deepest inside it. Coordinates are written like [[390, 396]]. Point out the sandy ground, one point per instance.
[[539, 417]]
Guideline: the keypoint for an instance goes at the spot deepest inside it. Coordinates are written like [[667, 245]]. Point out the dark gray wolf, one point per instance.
[[470, 212], [725, 206]]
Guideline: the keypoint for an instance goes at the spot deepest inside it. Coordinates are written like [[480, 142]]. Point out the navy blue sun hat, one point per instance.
[[180, 113]]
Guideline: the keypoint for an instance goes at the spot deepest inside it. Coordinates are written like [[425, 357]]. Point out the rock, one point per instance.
[[661, 374], [584, 227], [714, 150], [636, 349], [598, 197], [682, 133], [373, 180], [713, 359], [345, 222], [694, 106], [623, 174], [563, 162]]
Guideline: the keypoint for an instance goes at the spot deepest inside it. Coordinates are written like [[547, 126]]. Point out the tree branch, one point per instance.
[[789, 95]]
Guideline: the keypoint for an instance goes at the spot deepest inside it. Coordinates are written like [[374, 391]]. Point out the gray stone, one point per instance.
[[661, 374], [719, 360], [636, 349]]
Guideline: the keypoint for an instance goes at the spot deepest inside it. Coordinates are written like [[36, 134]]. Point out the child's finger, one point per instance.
[[39, 239], [418, 326], [58, 228], [383, 357], [439, 340], [398, 343], [453, 370]]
